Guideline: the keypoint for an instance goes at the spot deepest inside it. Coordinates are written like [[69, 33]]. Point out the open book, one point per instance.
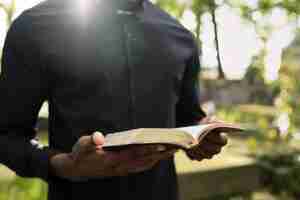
[[184, 138]]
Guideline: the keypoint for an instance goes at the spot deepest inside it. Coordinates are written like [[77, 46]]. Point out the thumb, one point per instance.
[[87, 143], [92, 141], [98, 139]]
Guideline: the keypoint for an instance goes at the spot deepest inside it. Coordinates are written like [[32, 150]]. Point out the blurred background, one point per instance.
[[250, 55]]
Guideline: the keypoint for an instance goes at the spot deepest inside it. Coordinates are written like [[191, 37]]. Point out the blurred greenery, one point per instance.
[[23, 189], [266, 140]]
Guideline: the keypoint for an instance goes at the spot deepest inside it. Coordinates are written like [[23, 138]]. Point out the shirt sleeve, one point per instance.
[[23, 88], [188, 109]]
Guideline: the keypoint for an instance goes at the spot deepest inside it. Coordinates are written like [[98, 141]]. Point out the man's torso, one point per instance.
[[109, 71]]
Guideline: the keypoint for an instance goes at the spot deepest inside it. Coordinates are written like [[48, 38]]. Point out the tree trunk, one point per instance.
[[199, 42], [221, 74], [9, 11]]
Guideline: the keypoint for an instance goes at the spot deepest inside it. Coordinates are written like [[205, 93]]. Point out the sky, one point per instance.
[[238, 39]]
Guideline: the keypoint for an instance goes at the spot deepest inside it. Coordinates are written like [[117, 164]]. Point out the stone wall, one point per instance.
[[231, 92]]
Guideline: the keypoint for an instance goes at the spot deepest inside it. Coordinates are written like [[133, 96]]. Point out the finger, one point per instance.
[[140, 165], [198, 154], [87, 143], [127, 164], [145, 150], [98, 139], [107, 160], [165, 155], [159, 155], [113, 159], [217, 138], [155, 157], [211, 146], [90, 142], [151, 162], [124, 157], [135, 167], [211, 150], [76, 150], [193, 155]]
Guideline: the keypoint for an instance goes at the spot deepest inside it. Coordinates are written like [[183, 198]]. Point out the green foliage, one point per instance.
[[172, 7], [292, 6], [246, 12], [281, 171], [23, 189], [201, 6], [280, 162], [272, 149], [266, 5], [288, 99]]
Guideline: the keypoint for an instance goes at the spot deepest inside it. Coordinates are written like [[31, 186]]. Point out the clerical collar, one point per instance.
[[130, 5], [125, 5]]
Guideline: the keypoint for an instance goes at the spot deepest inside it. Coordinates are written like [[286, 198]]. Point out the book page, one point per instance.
[[183, 137], [195, 131], [144, 136]]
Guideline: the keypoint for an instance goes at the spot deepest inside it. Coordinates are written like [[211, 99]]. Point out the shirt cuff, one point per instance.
[[38, 163]]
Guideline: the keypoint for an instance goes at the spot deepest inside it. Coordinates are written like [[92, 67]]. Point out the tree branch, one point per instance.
[[198, 20]]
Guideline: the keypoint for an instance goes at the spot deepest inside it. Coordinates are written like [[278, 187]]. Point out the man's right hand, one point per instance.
[[89, 161]]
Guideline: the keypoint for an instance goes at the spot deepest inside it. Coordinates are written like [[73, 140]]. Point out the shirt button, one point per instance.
[[124, 12]]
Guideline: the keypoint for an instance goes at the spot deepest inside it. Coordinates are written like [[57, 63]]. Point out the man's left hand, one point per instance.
[[210, 146]]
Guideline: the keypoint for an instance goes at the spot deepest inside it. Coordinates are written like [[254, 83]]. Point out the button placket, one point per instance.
[[130, 65]]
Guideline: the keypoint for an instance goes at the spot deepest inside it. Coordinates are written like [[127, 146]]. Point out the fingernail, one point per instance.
[[161, 148], [98, 138]]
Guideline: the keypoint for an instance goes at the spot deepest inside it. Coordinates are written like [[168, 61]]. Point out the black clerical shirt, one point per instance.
[[103, 67]]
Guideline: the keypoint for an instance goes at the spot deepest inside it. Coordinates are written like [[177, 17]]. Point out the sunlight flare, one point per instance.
[[84, 7]]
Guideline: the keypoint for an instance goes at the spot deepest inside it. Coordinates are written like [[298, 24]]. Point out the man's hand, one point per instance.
[[88, 160], [210, 146]]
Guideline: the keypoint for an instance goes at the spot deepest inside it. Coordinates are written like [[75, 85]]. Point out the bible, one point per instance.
[[184, 138]]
